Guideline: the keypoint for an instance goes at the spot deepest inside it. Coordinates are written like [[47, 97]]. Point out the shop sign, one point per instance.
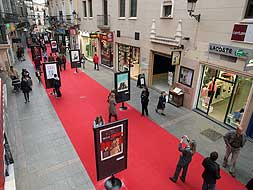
[[85, 34], [94, 35], [249, 64], [243, 33], [110, 37], [229, 50], [176, 58]]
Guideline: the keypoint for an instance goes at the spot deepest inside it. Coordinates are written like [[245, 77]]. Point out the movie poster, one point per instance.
[[75, 58], [111, 142], [51, 69], [122, 81], [54, 46]]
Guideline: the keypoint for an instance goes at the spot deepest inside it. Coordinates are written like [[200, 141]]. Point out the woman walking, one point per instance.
[[25, 87], [185, 158], [161, 103], [144, 101], [112, 107]]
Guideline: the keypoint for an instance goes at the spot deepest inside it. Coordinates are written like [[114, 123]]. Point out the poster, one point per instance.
[[49, 69], [122, 81], [54, 46], [75, 58], [46, 38], [186, 76], [110, 142], [122, 86], [176, 58]]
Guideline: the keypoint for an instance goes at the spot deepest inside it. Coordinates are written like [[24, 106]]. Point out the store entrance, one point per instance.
[[161, 68], [223, 95]]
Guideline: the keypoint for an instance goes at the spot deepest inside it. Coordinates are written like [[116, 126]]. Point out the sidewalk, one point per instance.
[[180, 121], [44, 157]]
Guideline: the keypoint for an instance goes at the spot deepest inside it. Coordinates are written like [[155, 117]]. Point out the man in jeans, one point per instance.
[[211, 172], [234, 141]]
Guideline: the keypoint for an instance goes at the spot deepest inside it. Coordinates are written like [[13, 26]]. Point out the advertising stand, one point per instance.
[[49, 69], [75, 59], [36, 52], [111, 151], [54, 46], [122, 87]]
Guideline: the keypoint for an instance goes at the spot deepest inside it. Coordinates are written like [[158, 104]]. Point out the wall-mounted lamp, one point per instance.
[[191, 5]]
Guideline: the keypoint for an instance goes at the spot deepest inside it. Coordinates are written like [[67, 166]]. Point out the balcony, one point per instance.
[[103, 22], [9, 17]]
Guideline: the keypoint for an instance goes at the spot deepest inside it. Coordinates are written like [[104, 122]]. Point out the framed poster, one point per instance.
[[111, 148], [75, 58], [54, 46], [122, 86], [36, 52], [176, 57], [46, 39], [49, 69], [186, 76]]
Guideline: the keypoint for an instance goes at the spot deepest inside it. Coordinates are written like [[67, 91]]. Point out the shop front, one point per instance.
[[129, 59], [106, 41], [224, 92], [84, 41], [92, 46]]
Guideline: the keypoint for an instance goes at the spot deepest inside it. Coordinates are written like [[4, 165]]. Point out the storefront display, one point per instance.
[[223, 95], [128, 59], [106, 41]]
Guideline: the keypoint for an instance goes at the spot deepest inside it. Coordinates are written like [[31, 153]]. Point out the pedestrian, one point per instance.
[[95, 61], [63, 61], [25, 73], [234, 141], [13, 74], [249, 185], [112, 107], [57, 85], [25, 87], [161, 103], [99, 121], [211, 172], [58, 60], [144, 101], [83, 61], [45, 56], [50, 58], [185, 158], [37, 63]]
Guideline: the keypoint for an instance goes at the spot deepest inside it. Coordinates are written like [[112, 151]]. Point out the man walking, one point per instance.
[[234, 141], [161, 104], [211, 172], [95, 61]]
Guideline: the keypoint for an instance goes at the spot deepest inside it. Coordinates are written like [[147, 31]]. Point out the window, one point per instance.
[[133, 8], [249, 10], [84, 9], [90, 8], [167, 9], [122, 8]]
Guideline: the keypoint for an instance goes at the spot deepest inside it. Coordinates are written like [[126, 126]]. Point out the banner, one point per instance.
[[36, 52], [111, 148], [54, 46], [49, 70], [122, 86], [75, 58]]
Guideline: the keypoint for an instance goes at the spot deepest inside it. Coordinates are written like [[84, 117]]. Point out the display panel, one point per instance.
[[122, 86], [49, 70]]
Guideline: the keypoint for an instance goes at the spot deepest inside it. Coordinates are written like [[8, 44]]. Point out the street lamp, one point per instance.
[[191, 5]]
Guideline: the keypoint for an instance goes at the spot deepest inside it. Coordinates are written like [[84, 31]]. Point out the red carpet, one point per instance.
[[152, 151]]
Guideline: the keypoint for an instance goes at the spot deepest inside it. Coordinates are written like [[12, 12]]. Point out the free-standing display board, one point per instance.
[[122, 86], [36, 52], [75, 58], [111, 148], [49, 69], [54, 46]]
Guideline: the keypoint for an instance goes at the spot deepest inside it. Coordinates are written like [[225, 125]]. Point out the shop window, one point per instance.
[[249, 9], [133, 8], [167, 9], [122, 8], [84, 9], [90, 8]]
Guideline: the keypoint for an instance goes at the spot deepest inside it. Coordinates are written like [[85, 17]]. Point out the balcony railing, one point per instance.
[[103, 21]]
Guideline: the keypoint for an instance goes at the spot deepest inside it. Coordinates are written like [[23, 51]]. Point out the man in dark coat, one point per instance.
[[57, 85], [161, 103], [211, 172], [26, 87], [144, 101]]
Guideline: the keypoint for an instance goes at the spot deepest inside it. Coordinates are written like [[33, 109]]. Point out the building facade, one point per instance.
[[209, 60]]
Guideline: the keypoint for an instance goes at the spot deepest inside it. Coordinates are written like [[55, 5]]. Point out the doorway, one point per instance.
[[221, 96], [161, 69]]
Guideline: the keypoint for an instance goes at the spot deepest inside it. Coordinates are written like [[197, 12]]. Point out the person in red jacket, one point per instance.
[[95, 61]]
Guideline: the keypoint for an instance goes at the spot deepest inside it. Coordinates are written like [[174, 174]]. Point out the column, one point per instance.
[[248, 110]]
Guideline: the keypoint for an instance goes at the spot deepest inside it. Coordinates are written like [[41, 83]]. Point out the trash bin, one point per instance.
[[249, 131]]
